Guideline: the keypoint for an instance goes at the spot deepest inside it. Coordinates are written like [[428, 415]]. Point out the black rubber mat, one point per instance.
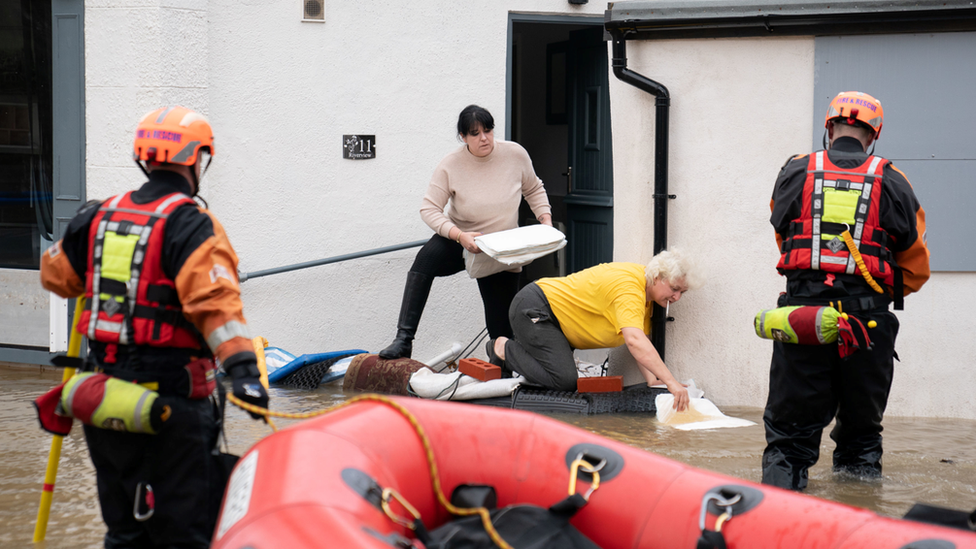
[[633, 399]]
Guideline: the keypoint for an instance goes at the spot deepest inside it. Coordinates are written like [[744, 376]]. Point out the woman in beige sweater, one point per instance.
[[481, 184]]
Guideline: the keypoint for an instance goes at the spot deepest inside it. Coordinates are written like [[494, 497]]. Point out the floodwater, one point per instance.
[[927, 460]]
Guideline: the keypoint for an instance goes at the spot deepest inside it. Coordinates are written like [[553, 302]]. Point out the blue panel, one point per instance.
[[948, 202], [925, 83], [279, 374]]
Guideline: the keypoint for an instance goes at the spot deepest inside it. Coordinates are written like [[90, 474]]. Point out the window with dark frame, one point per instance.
[[26, 160], [556, 66]]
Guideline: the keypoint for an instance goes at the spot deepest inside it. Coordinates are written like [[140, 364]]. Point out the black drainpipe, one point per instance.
[[662, 108]]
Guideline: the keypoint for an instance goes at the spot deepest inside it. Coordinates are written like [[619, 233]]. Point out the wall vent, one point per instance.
[[313, 11]]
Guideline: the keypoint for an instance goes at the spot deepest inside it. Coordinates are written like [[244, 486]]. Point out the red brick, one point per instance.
[[607, 384], [479, 369]]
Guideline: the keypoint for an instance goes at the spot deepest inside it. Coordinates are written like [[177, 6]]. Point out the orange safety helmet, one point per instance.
[[853, 106], [173, 135]]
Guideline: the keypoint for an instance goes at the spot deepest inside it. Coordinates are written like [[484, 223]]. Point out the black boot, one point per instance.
[[415, 294]]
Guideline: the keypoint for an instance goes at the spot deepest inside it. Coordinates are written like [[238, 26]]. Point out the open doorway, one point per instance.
[[559, 111]]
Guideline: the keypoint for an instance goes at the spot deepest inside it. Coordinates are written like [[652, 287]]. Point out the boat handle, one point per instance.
[[390, 493], [721, 502], [591, 468]]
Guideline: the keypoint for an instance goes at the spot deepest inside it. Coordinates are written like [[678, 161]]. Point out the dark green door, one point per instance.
[[589, 204]]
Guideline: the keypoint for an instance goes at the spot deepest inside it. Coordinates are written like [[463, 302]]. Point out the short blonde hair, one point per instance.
[[672, 265]]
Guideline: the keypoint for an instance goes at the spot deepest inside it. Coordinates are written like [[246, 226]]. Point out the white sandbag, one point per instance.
[[457, 386], [701, 414], [527, 256], [690, 385], [510, 250], [521, 245]]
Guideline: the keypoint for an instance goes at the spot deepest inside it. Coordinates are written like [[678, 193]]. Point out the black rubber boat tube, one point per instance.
[[662, 105]]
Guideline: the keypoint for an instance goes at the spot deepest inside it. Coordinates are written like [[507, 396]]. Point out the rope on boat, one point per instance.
[[417, 427]]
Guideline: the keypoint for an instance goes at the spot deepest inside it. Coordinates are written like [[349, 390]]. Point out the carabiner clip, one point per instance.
[[150, 502], [390, 493], [580, 463]]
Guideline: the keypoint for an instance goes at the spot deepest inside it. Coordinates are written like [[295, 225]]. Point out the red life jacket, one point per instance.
[[130, 301], [836, 199]]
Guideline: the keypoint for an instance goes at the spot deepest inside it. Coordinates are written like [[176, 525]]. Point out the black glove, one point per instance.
[[243, 370]]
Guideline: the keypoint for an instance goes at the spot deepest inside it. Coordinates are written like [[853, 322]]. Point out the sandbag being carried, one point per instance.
[[511, 249], [521, 245]]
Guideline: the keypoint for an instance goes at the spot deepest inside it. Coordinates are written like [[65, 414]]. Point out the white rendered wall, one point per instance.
[[139, 55], [739, 109], [280, 94]]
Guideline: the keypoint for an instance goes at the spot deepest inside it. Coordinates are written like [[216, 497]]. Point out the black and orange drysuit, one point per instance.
[[163, 299], [815, 199]]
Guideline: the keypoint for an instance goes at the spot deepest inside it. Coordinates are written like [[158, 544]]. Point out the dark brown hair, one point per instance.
[[473, 115]]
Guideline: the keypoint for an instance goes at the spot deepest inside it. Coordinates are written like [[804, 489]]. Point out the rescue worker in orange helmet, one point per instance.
[[163, 300], [817, 199]]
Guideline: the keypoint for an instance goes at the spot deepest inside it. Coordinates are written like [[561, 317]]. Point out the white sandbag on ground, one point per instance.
[[701, 414], [457, 386], [690, 385]]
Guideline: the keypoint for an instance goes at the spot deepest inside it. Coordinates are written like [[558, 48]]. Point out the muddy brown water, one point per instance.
[[926, 459]]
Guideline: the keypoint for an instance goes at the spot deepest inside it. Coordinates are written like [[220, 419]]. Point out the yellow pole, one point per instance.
[[44, 511], [259, 344]]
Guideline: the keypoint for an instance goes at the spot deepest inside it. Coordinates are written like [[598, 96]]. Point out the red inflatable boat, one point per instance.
[[318, 484]]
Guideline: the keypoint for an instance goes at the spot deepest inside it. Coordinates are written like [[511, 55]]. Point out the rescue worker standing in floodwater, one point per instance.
[[163, 299], [816, 199]]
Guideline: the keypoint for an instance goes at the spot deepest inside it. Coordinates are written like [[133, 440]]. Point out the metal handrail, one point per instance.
[[335, 259]]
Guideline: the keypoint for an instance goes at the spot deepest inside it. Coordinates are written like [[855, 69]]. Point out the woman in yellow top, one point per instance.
[[604, 306]]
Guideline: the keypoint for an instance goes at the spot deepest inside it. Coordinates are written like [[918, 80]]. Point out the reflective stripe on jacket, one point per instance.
[[834, 200], [129, 299], [196, 255]]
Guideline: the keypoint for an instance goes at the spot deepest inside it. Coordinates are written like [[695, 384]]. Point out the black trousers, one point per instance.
[[444, 257], [178, 463], [810, 385], [539, 350]]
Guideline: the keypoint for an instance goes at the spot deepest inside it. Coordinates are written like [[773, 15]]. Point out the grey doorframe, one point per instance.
[[68, 104], [514, 17]]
